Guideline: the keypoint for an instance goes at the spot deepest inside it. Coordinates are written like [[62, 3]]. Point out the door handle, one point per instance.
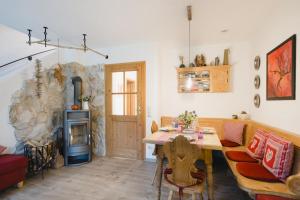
[[139, 109]]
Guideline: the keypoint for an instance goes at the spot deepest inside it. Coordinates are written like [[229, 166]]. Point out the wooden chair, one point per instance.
[[154, 128], [181, 175]]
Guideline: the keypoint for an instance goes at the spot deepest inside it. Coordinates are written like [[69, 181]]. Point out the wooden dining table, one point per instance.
[[207, 144]]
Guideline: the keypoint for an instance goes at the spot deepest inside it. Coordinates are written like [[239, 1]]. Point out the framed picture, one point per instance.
[[281, 71]]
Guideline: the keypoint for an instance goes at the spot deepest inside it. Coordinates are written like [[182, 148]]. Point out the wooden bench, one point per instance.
[[290, 189]]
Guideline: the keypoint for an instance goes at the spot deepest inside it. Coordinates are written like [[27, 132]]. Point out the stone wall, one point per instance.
[[36, 119]]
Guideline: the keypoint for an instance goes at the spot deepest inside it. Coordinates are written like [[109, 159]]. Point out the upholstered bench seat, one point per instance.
[[12, 170], [228, 143], [240, 156], [255, 171]]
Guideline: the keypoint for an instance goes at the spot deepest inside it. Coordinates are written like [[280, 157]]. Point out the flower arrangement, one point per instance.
[[85, 98], [187, 118]]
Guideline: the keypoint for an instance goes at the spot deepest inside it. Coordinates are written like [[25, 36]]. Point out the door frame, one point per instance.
[[142, 82]]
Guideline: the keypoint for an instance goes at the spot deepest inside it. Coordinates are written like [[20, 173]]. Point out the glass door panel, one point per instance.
[[117, 82], [124, 93], [118, 104], [78, 134], [131, 104]]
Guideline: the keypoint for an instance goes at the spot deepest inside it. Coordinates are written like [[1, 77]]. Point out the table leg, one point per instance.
[[159, 160], [209, 173]]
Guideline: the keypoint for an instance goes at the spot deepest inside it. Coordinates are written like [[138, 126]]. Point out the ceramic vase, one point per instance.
[[85, 105]]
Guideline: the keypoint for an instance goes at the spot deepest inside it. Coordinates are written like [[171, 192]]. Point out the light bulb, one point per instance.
[[189, 83]]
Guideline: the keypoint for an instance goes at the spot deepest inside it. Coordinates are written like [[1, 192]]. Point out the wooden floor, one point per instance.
[[111, 179]]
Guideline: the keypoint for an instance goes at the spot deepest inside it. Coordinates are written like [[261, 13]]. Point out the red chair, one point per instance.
[[12, 170]]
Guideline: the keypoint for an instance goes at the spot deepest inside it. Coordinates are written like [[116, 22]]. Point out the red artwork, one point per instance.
[[281, 63]]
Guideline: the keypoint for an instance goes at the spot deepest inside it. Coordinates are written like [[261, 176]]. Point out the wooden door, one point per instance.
[[125, 109]]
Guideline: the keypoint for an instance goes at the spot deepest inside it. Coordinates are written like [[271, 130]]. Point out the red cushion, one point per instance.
[[228, 143], [278, 156], [240, 156], [255, 171], [256, 147], [269, 197], [10, 163]]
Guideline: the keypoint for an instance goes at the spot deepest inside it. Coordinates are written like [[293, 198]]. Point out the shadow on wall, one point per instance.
[[36, 118]]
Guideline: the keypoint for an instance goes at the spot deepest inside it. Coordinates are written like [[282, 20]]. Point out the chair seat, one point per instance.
[[269, 197], [255, 171], [228, 143], [240, 156], [189, 190], [10, 163]]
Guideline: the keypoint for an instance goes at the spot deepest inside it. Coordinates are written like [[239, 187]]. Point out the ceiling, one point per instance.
[[121, 22]]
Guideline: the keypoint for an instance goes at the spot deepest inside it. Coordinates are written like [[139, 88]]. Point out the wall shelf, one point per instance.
[[204, 79]]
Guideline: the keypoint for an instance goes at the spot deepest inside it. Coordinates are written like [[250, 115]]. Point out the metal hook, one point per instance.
[[45, 33], [29, 36], [84, 42]]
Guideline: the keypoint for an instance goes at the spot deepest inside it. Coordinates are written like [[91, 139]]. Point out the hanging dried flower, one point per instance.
[[58, 74], [38, 76]]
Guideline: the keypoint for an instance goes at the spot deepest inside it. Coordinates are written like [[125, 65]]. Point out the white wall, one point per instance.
[[13, 46], [282, 23], [173, 103]]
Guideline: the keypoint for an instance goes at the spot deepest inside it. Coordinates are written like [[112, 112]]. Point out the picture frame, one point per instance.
[[281, 71]]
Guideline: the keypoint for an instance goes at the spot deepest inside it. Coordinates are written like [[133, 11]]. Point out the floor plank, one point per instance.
[[112, 179]]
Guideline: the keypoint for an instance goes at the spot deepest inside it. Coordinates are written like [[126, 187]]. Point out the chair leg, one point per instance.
[[170, 195], [155, 174], [194, 196], [201, 196]]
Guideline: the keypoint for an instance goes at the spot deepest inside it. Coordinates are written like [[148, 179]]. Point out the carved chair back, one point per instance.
[[182, 155]]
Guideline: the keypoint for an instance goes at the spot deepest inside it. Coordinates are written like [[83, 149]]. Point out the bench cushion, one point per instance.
[[278, 156], [255, 171], [240, 156], [233, 131], [10, 163], [228, 143], [256, 146]]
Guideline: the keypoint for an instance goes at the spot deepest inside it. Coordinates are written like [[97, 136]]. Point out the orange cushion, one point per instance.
[[269, 197], [255, 171], [228, 143], [239, 156]]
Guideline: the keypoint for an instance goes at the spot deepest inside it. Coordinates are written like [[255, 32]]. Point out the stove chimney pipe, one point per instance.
[[77, 82]]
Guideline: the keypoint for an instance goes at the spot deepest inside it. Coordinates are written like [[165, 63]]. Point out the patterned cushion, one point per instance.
[[2, 149], [233, 131], [239, 156], [278, 156], [227, 143], [257, 145]]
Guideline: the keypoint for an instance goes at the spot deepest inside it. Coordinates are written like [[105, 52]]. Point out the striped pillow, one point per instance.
[[257, 145], [278, 156]]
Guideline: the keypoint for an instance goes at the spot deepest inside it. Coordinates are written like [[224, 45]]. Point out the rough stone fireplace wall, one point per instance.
[[36, 119]]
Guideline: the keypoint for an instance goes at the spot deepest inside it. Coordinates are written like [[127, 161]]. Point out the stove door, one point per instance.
[[78, 134]]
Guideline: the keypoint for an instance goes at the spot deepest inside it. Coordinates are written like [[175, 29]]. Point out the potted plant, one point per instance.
[[187, 118], [85, 102]]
